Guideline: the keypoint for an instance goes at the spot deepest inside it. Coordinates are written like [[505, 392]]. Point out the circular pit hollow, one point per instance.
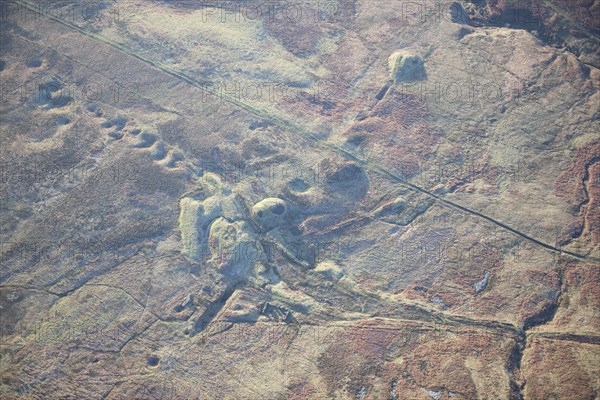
[[299, 185], [116, 135], [278, 209], [153, 361], [35, 63], [356, 140], [62, 120], [178, 308]]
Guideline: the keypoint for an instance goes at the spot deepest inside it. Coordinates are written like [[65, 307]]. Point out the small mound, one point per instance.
[[269, 212], [50, 94], [146, 140], [406, 67], [159, 152], [329, 270], [233, 246]]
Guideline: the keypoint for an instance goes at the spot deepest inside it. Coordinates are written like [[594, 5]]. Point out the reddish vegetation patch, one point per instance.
[[579, 187], [592, 209], [357, 354], [568, 68], [584, 11], [554, 370], [300, 35], [301, 391], [407, 359], [397, 133], [538, 308], [586, 278], [330, 98], [581, 285], [403, 108], [442, 364], [496, 8]]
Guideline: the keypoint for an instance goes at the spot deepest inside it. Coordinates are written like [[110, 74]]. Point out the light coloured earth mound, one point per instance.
[[233, 245], [269, 212], [406, 67]]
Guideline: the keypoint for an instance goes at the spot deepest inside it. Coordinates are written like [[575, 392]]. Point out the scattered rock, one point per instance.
[[434, 394], [362, 393], [394, 390], [188, 301], [439, 302], [482, 284], [274, 312]]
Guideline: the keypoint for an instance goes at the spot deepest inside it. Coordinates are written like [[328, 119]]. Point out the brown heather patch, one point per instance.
[[301, 391], [301, 36], [592, 213], [583, 11], [358, 354], [395, 133], [581, 296], [583, 197], [441, 363], [537, 307], [557, 370]]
